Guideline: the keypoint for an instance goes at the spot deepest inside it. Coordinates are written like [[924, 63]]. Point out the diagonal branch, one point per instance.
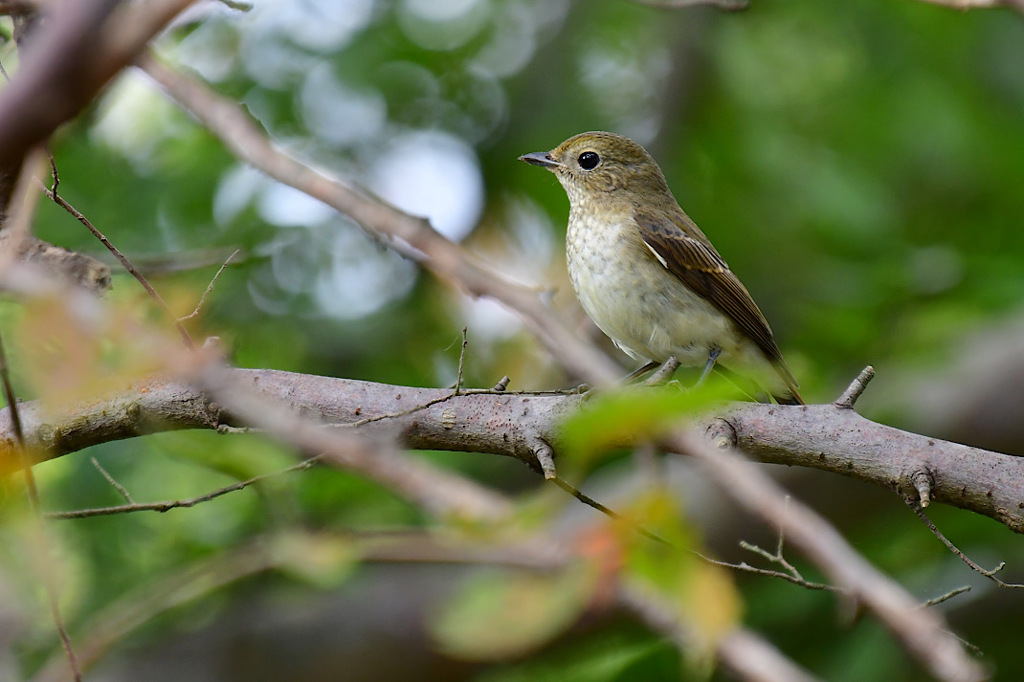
[[66, 61], [922, 631], [412, 237]]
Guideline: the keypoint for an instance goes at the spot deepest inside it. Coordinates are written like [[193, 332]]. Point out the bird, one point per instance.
[[646, 274]]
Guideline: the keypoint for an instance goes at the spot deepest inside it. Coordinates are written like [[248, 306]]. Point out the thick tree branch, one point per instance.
[[519, 425], [430, 488], [259, 398], [841, 441]]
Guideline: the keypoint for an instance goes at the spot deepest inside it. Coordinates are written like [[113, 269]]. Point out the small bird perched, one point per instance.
[[646, 274]]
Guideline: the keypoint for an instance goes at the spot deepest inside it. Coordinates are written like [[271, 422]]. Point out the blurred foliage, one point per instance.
[[499, 615], [858, 164], [614, 418]]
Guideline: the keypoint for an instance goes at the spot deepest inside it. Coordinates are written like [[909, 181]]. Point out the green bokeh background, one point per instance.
[[860, 166]]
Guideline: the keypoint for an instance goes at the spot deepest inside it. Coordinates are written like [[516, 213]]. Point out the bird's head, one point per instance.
[[596, 163]]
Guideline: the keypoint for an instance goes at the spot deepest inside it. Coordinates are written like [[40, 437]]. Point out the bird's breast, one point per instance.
[[633, 298]]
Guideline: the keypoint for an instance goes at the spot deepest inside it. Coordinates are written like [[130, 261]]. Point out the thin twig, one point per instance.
[[176, 504], [611, 513], [776, 558], [856, 387], [209, 288], [110, 479], [991, 575], [127, 264], [791, 574], [747, 568], [54, 175], [462, 361], [946, 597]]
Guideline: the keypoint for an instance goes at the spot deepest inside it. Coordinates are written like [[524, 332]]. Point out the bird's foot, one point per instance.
[[712, 359]]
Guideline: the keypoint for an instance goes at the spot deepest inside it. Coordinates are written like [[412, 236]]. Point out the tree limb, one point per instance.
[[922, 631], [519, 425]]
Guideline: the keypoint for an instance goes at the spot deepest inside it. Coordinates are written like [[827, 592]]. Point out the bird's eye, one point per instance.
[[588, 160]]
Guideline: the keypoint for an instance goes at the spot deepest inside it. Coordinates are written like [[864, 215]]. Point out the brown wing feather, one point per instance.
[[688, 254]]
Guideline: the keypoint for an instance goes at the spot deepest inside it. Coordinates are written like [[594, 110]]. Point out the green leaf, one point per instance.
[[617, 418]]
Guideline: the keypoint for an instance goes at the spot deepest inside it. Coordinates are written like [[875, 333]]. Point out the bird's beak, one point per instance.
[[542, 159]]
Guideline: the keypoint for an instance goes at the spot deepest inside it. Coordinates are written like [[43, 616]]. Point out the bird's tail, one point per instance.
[[790, 396]]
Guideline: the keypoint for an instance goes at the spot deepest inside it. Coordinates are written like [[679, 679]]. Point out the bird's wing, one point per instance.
[[684, 250]]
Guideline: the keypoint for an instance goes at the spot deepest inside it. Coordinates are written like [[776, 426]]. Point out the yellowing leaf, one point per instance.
[[503, 614], [701, 595], [322, 560], [70, 354]]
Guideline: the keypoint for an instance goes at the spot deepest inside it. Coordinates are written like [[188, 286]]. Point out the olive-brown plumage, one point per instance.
[[646, 274]]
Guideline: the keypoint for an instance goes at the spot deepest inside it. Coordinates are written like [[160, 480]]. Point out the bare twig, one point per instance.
[[462, 360], [607, 511], [935, 601], [209, 288], [126, 263], [167, 505], [744, 567], [856, 388], [110, 479], [791, 573], [990, 574], [54, 175]]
